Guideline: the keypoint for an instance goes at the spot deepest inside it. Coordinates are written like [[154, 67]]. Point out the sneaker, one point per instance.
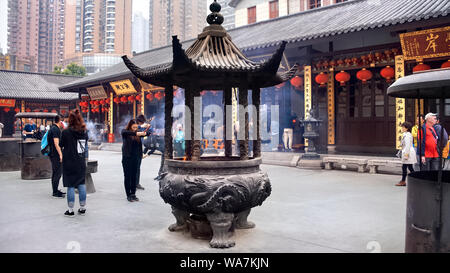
[[130, 199], [69, 214], [63, 193], [58, 195], [134, 198], [139, 187], [81, 211]]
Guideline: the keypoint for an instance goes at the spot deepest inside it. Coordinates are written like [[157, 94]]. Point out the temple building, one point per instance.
[[32, 92], [347, 54]]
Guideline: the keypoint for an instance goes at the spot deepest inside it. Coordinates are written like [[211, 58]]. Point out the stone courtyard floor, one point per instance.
[[308, 211]]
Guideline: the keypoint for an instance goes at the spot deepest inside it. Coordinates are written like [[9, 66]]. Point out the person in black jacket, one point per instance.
[[73, 143], [131, 157], [56, 156]]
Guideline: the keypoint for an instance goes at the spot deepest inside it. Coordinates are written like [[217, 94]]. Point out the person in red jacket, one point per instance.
[[429, 143]]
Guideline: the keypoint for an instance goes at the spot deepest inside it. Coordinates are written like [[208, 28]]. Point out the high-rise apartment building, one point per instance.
[[97, 32], [140, 39], [35, 32], [184, 18], [227, 12], [252, 11]]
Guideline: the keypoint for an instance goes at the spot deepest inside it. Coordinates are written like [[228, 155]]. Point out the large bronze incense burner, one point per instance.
[[216, 191]]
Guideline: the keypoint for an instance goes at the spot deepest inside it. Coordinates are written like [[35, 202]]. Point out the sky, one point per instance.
[[139, 6]]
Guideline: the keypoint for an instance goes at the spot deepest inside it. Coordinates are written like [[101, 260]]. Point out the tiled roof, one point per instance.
[[351, 16], [37, 86]]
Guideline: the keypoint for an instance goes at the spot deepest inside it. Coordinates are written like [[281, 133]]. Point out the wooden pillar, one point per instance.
[[134, 109], [189, 117], [399, 102], [168, 119], [227, 97], [256, 100], [196, 124], [243, 101]]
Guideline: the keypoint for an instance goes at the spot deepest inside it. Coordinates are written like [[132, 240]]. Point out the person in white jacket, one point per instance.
[[408, 152]]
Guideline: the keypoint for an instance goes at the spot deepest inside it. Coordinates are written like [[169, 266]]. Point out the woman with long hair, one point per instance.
[[131, 156], [74, 143], [408, 153]]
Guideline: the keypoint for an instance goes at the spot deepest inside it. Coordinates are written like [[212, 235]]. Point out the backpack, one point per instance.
[[445, 153], [45, 148]]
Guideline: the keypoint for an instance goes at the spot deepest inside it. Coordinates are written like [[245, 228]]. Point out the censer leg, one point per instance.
[[181, 216], [242, 222], [221, 224]]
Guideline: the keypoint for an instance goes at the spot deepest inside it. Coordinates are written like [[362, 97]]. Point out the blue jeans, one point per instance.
[[71, 196]]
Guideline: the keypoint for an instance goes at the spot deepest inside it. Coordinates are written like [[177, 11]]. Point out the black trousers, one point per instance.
[[138, 174], [431, 164], [405, 168], [130, 170], [56, 172]]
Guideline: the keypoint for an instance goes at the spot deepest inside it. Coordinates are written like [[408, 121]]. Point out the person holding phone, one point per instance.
[[131, 158]]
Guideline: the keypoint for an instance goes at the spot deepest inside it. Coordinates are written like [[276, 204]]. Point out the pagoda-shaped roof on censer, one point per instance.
[[214, 61]]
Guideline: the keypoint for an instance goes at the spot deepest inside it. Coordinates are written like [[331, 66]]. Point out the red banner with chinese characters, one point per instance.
[[7, 102], [430, 43]]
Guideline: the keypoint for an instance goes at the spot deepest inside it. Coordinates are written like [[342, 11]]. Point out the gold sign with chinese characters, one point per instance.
[[399, 102], [97, 92], [331, 124], [111, 114], [430, 43], [7, 102], [308, 91], [124, 87]]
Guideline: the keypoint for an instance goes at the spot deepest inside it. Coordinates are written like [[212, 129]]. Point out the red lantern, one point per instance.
[[6, 109], [342, 77], [446, 64], [388, 73], [322, 79], [138, 97], [149, 96], [108, 101], [102, 102], [131, 98], [45, 110], [123, 99], [63, 112], [54, 111], [421, 67], [17, 110], [364, 75], [116, 100], [28, 110], [158, 96], [297, 81]]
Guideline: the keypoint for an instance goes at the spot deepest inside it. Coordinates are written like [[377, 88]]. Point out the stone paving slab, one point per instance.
[[308, 211]]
